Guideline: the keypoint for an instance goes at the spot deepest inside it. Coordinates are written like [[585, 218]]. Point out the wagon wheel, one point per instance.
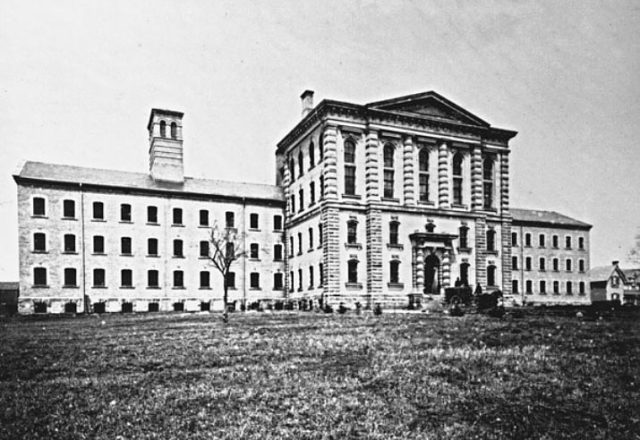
[[455, 300]]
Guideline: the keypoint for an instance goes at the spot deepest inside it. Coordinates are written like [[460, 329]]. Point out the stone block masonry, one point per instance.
[[374, 255]]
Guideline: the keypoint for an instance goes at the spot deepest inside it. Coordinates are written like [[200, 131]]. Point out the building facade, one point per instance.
[[613, 283], [385, 203], [550, 258]]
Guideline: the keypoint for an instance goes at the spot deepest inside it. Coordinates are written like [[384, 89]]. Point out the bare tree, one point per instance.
[[226, 247], [634, 252]]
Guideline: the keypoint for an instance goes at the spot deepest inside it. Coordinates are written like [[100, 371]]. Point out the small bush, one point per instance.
[[377, 310], [328, 309]]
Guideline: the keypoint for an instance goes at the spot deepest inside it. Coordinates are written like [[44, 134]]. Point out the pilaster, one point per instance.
[[374, 254], [481, 252], [443, 176], [331, 254], [446, 269], [372, 186], [330, 170], [408, 172], [504, 183], [476, 178], [506, 256], [419, 288]]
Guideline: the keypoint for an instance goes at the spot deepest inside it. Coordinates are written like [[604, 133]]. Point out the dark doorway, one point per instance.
[[464, 274], [431, 274]]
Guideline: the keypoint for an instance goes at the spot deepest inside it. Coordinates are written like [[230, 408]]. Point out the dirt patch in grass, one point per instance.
[[317, 376]]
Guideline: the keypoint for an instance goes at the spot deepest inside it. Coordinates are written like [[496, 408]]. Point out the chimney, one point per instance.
[[615, 262], [165, 146], [307, 102]]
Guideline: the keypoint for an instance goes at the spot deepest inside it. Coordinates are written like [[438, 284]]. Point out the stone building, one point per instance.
[[384, 203], [550, 258]]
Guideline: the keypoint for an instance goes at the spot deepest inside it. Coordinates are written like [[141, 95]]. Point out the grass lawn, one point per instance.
[[305, 375]]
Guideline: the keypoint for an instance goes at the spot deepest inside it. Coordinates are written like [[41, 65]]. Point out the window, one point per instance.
[[321, 272], [527, 263], [98, 244], [177, 248], [98, 211], [254, 251], [231, 280], [163, 129], [177, 216], [457, 178], [152, 246], [204, 248], [69, 243], [463, 232], [69, 209], [205, 279], [229, 219], [543, 287], [352, 271], [277, 252], [423, 169], [491, 240], [389, 151], [514, 239], [291, 281], [581, 265], [253, 221], [529, 287], [321, 146], [230, 250], [527, 239], [291, 246], [464, 274], [349, 167], [554, 241], [293, 204], [310, 277], [254, 280], [581, 290], [292, 169], [491, 275], [393, 232], [556, 265], [319, 235], [204, 217], [569, 288], [301, 198], [174, 130], [277, 222], [125, 245], [39, 276], [38, 206], [541, 240], [277, 281], [312, 194], [178, 279], [39, 242], [99, 277], [568, 264], [152, 278], [70, 277], [125, 212], [312, 155], [300, 163], [394, 272], [321, 187], [514, 286], [567, 240], [126, 278], [487, 175], [310, 238], [580, 243], [152, 214], [352, 232], [299, 279], [542, 263], [514, 263], [556, 287], [299, 243]]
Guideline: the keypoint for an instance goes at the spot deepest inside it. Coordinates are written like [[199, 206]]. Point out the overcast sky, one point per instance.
[[78, 79]]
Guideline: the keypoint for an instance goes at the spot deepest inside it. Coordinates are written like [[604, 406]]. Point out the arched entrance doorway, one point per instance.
[[431, 274]]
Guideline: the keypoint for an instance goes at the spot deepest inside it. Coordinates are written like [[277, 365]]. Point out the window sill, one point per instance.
[[177, 225], [126, 255], [353, 285], [69, 253], [98, 254], [395, 285], [357, 246], [299, 253], [351, 196], [310, 250], [70, 287], [127, 287], [153, 224], [204, 226], [69, 218], [203, 257], [492, 252], [39, 252], [254, 230], [255, 288], [40, 286], [396, 246], [98, 287], [279, 231], [425, 202], [254, 259], [98, 220], [39, 216], [178, 288], [232, 229], [126, 222], [465, 249], [312, 204], [489, 209], [391, 199], [204, 288], [231, 288], [278, 288], [178, 256], [277, 260], [459, 206], [153, 287], [153, 256]]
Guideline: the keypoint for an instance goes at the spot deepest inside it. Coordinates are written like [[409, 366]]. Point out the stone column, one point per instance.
[[420, 270], [330, 170], [408, 172], [446, 268], [481, 252], [506, 224], [504, 183], [372, 186], [443, 176], [374, 255], [476, 179]]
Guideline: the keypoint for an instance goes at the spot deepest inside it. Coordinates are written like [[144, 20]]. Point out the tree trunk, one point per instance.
[[225, 310]]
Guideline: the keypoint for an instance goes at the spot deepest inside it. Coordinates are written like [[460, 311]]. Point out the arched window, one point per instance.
[[349, 167], [581, 288], [543, 287], [491, 275], [514, 286], [423, 170], [389, 151], [300, 163], [292, 169], [174, 130], [394, 271], [312, 155], [487, 175], [457, 178], [163, 129], [529, 286], [321, 147]]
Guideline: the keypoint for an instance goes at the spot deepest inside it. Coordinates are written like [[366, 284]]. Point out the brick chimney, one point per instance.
[[165, 146], [307, 102], [615, 262]]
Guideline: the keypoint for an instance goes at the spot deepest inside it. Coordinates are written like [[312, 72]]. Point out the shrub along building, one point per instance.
[[388, 202]]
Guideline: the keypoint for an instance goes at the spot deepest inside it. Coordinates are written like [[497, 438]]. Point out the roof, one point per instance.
[[67, 174], [9, 285], [162, 112], [551, 218], [602, 273]]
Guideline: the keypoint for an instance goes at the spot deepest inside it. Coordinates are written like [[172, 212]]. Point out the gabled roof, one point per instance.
[[429, 104], [603, 273], [74, 175], [550, 218]]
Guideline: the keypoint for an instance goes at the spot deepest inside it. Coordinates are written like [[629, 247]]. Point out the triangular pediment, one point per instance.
[[430, 105]]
